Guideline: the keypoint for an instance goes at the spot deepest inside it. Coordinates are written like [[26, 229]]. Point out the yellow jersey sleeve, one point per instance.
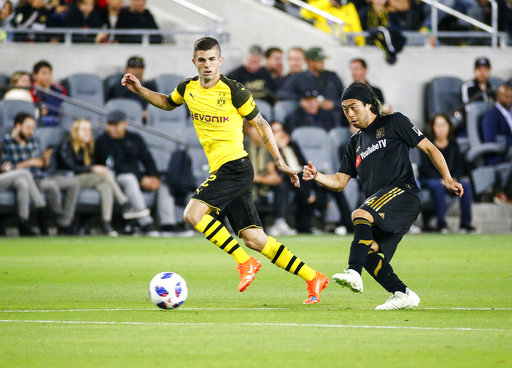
[[176, 97], [242, 99]]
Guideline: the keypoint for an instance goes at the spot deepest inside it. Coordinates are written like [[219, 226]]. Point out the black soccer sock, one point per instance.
[[363, 238], [383, 273]]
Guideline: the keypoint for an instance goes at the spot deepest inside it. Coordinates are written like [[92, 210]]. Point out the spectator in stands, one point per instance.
[[109, 16], [82, 15], [442, 135], [76, 155], [325, 82], [254, 76], [384, 13], [497, 124], [305, 197], [22, 150], [33, 14], [19, 87], [135, 65], [310, 113], [347, 12], [274, 65], [48, 105], [127, 155], [478, 89], [358, 70], [136, 16], [296, 61], [6, 13], [22, 183], [266, 179]]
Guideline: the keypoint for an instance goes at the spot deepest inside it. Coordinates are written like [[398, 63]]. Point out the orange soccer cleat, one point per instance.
[[315, 287], [248, 271]]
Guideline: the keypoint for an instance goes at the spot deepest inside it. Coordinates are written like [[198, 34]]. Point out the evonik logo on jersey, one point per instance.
[[374, 147], [210, 118]]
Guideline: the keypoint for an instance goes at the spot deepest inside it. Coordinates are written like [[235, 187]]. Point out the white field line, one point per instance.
[[241, 308], [268, 324]]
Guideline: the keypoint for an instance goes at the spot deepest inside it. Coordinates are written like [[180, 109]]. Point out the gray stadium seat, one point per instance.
[[110, 81], [284, 108], [10, 108], [69, 113], [50, 136], [200, 166], [157, 116], [442, 96], [316, 146], [338, 136], [165, 83], [130, 107], [496, 81], [265, 109], [160, 148], [87, 88], [474, 113]]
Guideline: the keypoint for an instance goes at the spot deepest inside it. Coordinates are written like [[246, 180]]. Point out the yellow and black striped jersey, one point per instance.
[[218, 114]]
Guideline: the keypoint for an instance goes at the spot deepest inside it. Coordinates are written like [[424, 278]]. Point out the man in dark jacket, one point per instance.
[[136, 16], [127, 155]]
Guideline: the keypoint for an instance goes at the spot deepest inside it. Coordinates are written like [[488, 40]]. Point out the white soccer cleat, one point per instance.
[[399, 300], [351, 279]]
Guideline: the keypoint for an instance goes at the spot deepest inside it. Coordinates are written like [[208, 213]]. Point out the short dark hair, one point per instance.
[[359, 60], [205, 44], [41, 64], [21, 117], [271, 50]]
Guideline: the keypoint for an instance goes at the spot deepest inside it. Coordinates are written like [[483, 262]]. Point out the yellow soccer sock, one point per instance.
[[282, 257], [220, 236]]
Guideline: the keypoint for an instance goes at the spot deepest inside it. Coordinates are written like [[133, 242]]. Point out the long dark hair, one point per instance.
[[430, 127]]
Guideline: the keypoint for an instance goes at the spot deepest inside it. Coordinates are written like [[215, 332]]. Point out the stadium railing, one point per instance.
[[488, 31]]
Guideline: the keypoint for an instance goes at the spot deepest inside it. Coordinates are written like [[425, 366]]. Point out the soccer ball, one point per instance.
[[168, 290]]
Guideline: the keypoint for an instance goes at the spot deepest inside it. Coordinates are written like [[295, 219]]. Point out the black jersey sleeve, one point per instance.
[[406, 130], [242, 99], [348, 161]]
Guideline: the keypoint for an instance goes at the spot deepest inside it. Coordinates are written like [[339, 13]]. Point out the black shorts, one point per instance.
[[229, 191], [394, 210]]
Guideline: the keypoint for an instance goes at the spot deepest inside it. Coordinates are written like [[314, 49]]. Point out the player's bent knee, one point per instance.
[[360, 213], [254, 238], [375, 247]]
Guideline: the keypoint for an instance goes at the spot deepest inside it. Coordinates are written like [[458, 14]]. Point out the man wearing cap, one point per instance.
[[379, 155], [327, 83], [309, 113], [127, 155], [135, 65], [480, 88]]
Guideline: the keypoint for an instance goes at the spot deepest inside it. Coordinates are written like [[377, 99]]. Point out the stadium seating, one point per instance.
[[165, 83], [87, 88], [338, 136], [110, 81], [130, 107], [442, 96], [200, 167], [265, 109], [10, 108], [69, 113], [158, 116], [284, 108], [316, 146], [50, 137]]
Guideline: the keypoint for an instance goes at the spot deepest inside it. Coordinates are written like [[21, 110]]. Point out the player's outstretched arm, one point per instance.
[[154, 98], [439, 162], [336, 182], [267, 136]]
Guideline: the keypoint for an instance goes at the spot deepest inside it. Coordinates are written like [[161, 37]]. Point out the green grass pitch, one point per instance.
[[83, 302]]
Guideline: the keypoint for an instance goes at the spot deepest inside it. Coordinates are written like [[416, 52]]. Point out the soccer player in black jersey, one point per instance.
[[379, 155], [218, 106]]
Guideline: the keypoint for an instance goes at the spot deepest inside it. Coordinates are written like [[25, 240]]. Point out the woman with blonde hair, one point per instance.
[[77, 154]]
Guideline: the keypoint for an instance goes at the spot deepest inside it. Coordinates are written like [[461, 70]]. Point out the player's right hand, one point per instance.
[[131, 82], [309, 172], [454, 186]]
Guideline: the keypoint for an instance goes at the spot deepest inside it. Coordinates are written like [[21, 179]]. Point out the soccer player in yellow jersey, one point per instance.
[[218, 106]]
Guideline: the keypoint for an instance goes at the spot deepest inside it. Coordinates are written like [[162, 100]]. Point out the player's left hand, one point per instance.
[[454, 186], [294, 178]]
